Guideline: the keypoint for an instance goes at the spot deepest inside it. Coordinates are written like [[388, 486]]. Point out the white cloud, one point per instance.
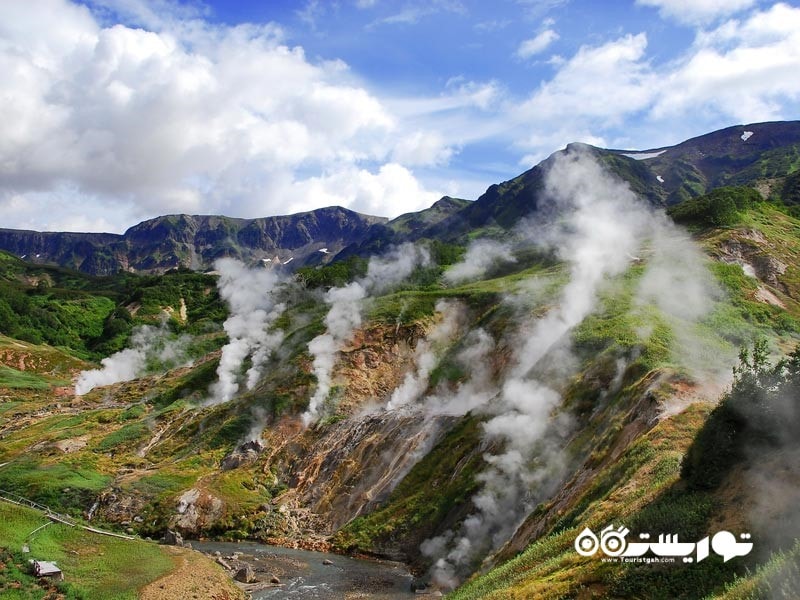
[[695, 12], [184, 115], [411, 14], [422, 148], [536, 8], [743, 70], [189, 118], [602, 82], [746, 69], [536, 45], [491, 25], [391, 191]]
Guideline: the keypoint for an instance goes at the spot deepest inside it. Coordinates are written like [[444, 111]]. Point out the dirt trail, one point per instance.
[[194, 577]]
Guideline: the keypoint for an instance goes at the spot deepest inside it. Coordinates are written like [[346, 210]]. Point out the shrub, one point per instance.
[[719, 208]]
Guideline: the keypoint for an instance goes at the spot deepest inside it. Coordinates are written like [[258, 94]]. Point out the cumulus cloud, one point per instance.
[[189, 117], [740, 70], [600, 82], [536, 45], [366, 192]]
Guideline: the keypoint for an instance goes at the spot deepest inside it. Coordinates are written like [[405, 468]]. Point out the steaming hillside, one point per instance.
[[464, 389]]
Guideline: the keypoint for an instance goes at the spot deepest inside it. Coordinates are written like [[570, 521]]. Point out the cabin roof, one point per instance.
[[44, 567]]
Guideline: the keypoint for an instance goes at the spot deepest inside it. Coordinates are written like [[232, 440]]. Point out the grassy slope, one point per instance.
[[643, 487], [95, 567], [197, 440], [550, 568]]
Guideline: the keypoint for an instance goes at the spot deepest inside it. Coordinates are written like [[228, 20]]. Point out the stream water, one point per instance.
[[304, 576]]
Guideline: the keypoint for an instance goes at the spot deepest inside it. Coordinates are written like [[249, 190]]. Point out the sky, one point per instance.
[[116, 111]]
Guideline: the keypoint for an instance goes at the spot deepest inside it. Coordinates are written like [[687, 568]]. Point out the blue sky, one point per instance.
[[121, 110]]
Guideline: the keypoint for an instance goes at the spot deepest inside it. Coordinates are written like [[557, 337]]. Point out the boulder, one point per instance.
[[245, 575], [173, 538]]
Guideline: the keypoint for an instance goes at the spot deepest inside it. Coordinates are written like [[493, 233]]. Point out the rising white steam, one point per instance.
[[600, 226], [427, 354], [344, 314], [677, 281], [151, 348], [251, 298], [343, 317], [481, 256], [477, 390]]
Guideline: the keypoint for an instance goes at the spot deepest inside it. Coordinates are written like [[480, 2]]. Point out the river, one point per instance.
[[304, 576]]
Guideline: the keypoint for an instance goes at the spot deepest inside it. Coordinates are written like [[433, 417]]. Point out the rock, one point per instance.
[[173, 538], [217, 553], [245, 575], [327, 561], [138, 519], [252, 446], [245, 453], [275, 579]]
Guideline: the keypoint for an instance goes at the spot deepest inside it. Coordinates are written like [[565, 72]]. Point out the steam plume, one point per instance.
[[344, 314], [426, 355], [677, 281], [481, 256], [478, 389], [151, 348], [599, 226], [251, 297]]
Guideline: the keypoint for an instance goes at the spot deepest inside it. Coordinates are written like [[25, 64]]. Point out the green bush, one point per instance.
[[719, 208], [790, 194], [759, 412]]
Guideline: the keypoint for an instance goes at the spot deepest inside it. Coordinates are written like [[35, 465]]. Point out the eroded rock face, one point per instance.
[[359, 461], [196, 509], [339, 472], [748, 250], [117, 506]]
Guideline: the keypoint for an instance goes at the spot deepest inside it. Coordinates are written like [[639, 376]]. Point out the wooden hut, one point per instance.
[[43, 568]]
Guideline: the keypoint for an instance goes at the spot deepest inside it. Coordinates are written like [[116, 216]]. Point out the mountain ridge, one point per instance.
[[193, 241], [663, 176]]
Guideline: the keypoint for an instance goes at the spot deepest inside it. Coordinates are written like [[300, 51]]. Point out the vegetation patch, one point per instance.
[[95, 567]]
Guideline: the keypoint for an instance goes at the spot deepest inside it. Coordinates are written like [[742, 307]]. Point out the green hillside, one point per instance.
[[520, 379]]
